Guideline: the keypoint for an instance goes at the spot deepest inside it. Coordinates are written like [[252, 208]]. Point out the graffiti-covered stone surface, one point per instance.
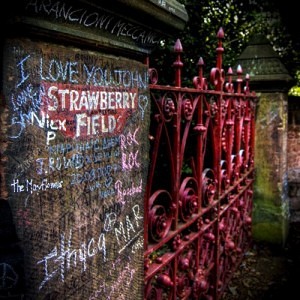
[[75, 164]]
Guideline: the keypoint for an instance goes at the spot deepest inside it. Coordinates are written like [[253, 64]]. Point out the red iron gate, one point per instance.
[[198, 202]]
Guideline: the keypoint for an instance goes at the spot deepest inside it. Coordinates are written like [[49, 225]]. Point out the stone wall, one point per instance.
[[293, 155], [270, 207], [271, 81]]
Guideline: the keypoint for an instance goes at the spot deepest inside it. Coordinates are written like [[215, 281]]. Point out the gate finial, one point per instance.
[[220, 48], [239, 79], [178, 63], [199, 81]]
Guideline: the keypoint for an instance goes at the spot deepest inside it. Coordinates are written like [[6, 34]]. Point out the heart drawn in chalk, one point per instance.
[[108, 181], [143, 102]]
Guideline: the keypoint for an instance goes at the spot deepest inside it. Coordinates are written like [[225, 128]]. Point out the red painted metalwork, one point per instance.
[[199, 193]]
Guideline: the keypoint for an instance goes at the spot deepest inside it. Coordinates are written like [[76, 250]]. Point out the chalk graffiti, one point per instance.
[[101, 173], [129, 158], [76, 161], [128, 139], [143, 104], [59, 104], [85, 98], [127, 191], [92, 19], [127, 233], [121, 284], [76, 110], [55, 70], [115, 208], [105, 193], [65, 257], [30, 186], [138, 245], [95, 145], [8, 276], [110, 220], [88, 109], [24, 76], [24, 104]]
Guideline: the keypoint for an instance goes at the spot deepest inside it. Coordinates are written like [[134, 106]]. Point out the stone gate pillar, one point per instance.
[[271, 81], [74, 145]]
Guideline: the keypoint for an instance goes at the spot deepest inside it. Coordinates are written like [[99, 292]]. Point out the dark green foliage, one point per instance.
[[239, 20]]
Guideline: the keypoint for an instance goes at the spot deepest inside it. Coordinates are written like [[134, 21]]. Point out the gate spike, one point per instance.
[[229, 85], [178, 47], [200, 62], [246, 88], [178, 63], [200, 65], [220, 34], [220, 48], [239, 80]]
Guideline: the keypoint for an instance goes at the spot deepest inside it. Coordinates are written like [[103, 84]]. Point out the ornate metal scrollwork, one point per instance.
[[160, 215]]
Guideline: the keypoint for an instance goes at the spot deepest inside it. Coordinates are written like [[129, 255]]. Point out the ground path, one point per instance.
[[268, 271]]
